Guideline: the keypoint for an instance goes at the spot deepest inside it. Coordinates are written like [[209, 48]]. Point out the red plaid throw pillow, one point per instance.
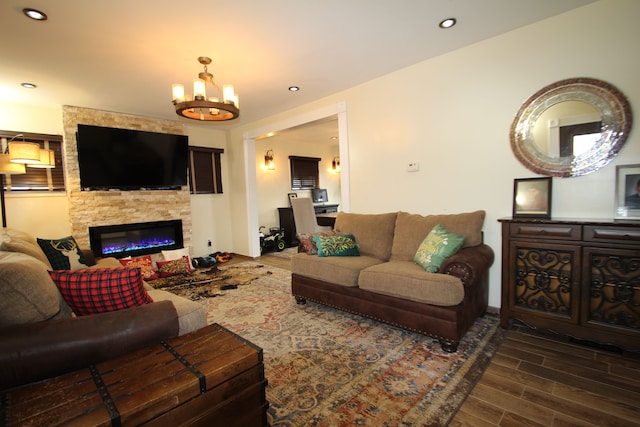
[[101, 289]]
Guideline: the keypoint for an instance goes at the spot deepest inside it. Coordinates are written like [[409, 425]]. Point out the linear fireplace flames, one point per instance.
[[136, 239]]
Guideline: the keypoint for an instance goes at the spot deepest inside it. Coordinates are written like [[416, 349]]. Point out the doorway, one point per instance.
[[329, 113]]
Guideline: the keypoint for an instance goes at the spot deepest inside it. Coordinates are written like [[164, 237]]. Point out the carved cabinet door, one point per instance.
[[611, 298], [545, 280]]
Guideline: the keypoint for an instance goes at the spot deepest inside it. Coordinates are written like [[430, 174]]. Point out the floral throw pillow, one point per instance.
[[173, 267], [308, 245], [439, 245], [338, 245], [146, 265]]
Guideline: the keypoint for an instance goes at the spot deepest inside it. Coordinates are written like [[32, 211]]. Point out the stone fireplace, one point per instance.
[[135, 239], [103, 208]]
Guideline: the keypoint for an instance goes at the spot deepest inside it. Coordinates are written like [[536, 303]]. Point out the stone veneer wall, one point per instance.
[[94, 208]]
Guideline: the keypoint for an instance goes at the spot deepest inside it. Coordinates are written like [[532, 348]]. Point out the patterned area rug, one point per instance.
[[210, 283], [330, 368]]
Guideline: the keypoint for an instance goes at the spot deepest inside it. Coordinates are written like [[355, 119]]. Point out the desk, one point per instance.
[[327, 218], [325, 208]]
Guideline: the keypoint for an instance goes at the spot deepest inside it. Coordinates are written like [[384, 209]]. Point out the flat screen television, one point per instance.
[[123, 159], [319, 195]]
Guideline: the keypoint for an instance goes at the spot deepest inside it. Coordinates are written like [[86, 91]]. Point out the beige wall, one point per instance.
[[48, 215], [455, 118], [210, 213], [25, 211]]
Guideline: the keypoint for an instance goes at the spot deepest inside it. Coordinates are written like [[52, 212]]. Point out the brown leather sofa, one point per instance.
[[384, 283], [35, 351], [39, 335]]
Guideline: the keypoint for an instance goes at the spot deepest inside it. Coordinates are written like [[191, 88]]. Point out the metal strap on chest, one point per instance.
[[107, 400], [201, 378]]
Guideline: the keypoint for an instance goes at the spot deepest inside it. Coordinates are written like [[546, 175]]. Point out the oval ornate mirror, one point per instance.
[[570, 128]]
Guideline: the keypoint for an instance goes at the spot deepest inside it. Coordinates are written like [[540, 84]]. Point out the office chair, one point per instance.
[[304, 216]]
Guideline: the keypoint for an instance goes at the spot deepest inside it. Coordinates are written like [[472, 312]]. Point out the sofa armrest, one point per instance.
[[469, 264], [88, 256], [35, 351]]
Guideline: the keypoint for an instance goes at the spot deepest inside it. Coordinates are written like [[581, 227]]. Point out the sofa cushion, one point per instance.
[[337, 245], [373, 232], [26, 246], [108, 262], [406, 279], [342, 271], [27, 293], [411, 229], [63, 254], [439, 245], [101, 290], [191, 315]]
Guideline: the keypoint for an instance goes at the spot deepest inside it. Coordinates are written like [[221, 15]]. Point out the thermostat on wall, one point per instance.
[[413, 167]]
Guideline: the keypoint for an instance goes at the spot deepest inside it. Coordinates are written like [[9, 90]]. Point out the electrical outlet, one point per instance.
[[413, 167], [209, 243]]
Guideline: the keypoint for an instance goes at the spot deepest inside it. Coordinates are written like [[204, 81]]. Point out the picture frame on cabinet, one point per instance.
[[627, 204], [532, 197]]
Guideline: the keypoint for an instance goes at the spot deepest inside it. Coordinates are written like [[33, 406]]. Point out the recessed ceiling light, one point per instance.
[[293, 88], [28, 85], [35, 14], [447, 23]]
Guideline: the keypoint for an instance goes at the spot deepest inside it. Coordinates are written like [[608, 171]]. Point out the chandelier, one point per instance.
[[201, 108]]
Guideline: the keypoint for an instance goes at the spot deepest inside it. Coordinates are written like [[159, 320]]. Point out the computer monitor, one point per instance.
[[319, 195]]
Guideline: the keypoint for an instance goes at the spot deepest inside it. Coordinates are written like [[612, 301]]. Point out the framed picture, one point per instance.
[[292, 196], [532, 198], [627, 192]]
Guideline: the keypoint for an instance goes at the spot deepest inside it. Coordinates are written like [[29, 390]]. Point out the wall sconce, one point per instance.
[[335, 165], [269, 164]]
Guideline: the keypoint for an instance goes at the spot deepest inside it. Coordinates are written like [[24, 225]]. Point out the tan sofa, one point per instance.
[[32, 311], [384, 283]]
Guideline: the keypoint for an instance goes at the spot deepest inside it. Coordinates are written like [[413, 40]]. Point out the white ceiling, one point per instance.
[[123, 55]]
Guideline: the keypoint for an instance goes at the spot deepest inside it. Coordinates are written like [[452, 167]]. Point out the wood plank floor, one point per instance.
[[542, 381], [536, 380]]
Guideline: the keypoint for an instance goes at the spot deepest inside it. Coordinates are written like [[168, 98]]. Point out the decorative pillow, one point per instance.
[[173, 267], [308, 245], [338, 245], [63, 254], [439, 245], [177, 254], [145, 263], [101, 289]]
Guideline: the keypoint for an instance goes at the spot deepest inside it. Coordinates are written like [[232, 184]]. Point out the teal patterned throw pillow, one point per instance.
[[338, 245], [439, 245]]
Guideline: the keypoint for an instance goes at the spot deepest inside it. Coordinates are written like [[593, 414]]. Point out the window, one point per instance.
[[205, 170], [304, 172], [36, 179]]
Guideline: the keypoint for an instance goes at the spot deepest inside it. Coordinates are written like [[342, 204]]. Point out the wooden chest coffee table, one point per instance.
[[210, 377]]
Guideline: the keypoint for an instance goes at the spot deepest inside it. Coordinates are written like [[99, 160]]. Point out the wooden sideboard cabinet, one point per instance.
[[579, 278]]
